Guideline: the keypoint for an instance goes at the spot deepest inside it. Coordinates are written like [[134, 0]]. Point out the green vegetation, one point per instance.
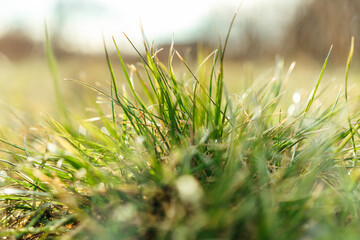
[[180, 158]]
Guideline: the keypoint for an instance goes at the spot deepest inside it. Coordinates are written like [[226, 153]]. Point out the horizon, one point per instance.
[[81, 24]]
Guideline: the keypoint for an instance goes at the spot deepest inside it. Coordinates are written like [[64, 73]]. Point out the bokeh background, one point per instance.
[[264, 32]]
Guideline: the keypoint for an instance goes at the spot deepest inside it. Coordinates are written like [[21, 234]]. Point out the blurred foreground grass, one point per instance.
[[213, 153]]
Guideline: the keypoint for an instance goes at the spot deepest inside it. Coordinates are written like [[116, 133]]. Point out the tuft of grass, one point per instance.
[[180, 158]]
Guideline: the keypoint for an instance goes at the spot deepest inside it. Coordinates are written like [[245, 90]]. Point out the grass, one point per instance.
[[180, 158]]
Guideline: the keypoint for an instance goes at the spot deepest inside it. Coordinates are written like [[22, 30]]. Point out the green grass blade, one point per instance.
[[113, 113], [311, 98], [56, 79], [351, 53]]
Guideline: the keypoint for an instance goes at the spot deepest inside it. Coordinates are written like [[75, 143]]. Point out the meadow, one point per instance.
[[156, 150]]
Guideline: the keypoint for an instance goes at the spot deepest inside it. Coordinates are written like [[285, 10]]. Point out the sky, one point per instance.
[[84, 22]]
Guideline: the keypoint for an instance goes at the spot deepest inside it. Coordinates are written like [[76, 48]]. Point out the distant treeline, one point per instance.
[[317, 25], [322, 23]]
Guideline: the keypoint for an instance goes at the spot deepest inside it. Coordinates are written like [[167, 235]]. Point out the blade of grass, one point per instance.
[[351, 52], [112, 103], [56, 79], [311, 98]]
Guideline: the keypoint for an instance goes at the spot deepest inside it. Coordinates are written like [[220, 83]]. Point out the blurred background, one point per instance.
[[264, 32]]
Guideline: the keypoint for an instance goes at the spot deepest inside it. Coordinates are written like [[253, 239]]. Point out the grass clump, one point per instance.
[[180, 158]]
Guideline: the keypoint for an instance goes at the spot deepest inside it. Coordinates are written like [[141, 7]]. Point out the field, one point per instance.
[[206, 149]]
